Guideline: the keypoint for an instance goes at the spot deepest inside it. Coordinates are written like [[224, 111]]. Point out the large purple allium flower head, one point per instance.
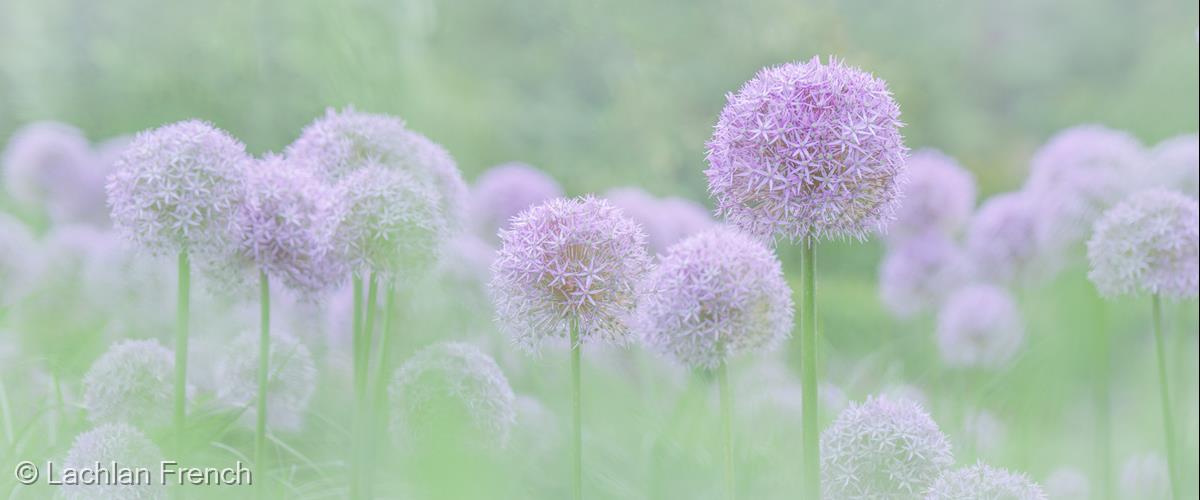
[[20, 260], [938, 195], [1147, 244], [503, 192], [132, 382], [290, 384], [979, 326], [713, 296], [1176, 163], [808, 150], [1079, 173], [42, 163], [447, 385], [176, 186], [1145, 477], [388, 222], [1002, 239], [984, 482], [1068, 483], [569, 260], [918, 273], [882, 448], [113, 444]]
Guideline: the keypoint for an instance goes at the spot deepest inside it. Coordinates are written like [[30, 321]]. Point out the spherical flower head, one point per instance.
[[113, 443], [20, 260], [291, 379], [1002, 239], [176, 186], [503, 192], [666, 221], [1176, 162], [984, 482], [577, 260], [388, 222], [808, 150], [1146, 477], [713, 296], [918, 273], [938, 195], [447, 385], [979, 327], [42, 162], [882, 448], [132, 382], [1068, 483], [1147, 244]]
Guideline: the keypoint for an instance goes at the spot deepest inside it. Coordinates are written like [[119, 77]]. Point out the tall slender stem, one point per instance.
[[576, 417], [1168, 420], [727, 429], [808, 371], [1103, 383], [357, 348], [182, 310], [264, 350], [368, 338]]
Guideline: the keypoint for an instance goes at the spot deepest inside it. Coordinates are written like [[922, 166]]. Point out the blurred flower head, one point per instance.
[[291, 379], [1147, 244], [982, 481], [1145, 477], [938, 195], [20, 260], [1067, 483], [920, 272], [113, 443], [979, 326], [503, 192], [133, 382], [1002, 239], [1176, 162], [45, 164], [808, 150], [665, 221]]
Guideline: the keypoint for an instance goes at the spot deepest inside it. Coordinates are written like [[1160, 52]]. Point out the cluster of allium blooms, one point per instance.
[[569, 260], [665, 221], [1176, 162], [19, 260], [1147, 244], [388, 222], [984, 482], [290, 383], [807, 149], [979, 326], [1002, 239], [132, 382], [882, 448], [46, 164], [918, 273], [114, 443], [1145, 477], [449, 383], [713, 296], [1077, 174], [1067, 483], [503, 192], [176, 186], [938, 195]]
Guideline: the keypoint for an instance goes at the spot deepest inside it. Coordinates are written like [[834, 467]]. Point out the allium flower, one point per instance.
[[1002, 239], [665, 221], [683, 218], [882, 448], [1067, 483], [20, 260], [984, 482], [979, 326], [1176, 162], [450, 384], [713, 296], [132, 382], [1145, 477], [120, 444], [503, 192], [917, 274], [136, 292], [176, 186], [806, 149], [1149, 243], [290, 383], [42, 163], [388, 222], [1077, 174], [939, 195], [568, 260]]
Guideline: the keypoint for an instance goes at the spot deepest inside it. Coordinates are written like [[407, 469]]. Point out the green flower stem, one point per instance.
[[1168, 419], [808, 371], [182, 310], [727, 429], [356, 481], [368, 335], [576, 417], [264, 349], [382, 366], [1103, 382]]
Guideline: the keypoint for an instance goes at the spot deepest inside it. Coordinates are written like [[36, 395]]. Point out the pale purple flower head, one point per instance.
[[1068, 483], [666, 221], [106, 444], [1002, 239], [979, 327], [1176, 163], [569, 260], [20, 260], [504, 191], [808, 150], [918, 273], [133, 383], [1147, 244], [984, 482], [176, 187], [938, 195], [882, 448], [43, 162], [713, 296], [1145, 477], [291, 382]]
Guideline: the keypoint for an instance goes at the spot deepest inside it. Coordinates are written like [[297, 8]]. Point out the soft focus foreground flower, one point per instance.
[[665, 221], [1147, 244], [132, 382], [44, 162], [807, 149], [448, 385], [108, 444], [1002, 239], [984, 482], [713, 296], [1067, 483], [979, 326], [568, 260], [918, 273], [176, 186], [503, 192], [1176, 163], [882, 448], [20, 260], [1145, 477], [938, 195], [291, 382]]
